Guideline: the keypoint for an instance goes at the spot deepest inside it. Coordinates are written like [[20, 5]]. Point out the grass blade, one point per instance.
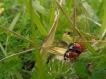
[[41, 74], [40, 9], [36, 20], [103, 50], [3, 50], [103, 28], [14, 21], [49, 40], [87, 35]]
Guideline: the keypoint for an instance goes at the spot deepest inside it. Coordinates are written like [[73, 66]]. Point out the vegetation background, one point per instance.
[[34, 32]]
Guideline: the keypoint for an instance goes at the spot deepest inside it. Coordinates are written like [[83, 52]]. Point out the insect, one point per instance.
[[74, 50]]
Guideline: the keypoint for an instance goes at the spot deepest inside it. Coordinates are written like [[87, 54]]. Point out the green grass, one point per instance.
[[32, 34]]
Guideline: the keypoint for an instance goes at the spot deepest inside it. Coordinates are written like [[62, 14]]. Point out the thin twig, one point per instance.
[[94, 21], [74, 19], [82, 37], [16, 54], [16, 34], [23, 52], [95, 41]]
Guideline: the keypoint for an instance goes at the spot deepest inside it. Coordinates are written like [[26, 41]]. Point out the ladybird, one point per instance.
[[70, 54], [74, 50], [77, 46]]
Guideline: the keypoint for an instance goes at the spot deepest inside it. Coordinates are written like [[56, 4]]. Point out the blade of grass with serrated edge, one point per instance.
[[91, 49], [41, 73], [36, 20]]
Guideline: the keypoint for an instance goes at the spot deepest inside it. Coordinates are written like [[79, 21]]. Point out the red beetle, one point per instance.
[[74, 50], [70, 54], [76, 46]]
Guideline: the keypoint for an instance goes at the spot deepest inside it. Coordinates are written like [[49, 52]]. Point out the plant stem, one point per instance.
[[16, 34], [74, 20], [41, 74]]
